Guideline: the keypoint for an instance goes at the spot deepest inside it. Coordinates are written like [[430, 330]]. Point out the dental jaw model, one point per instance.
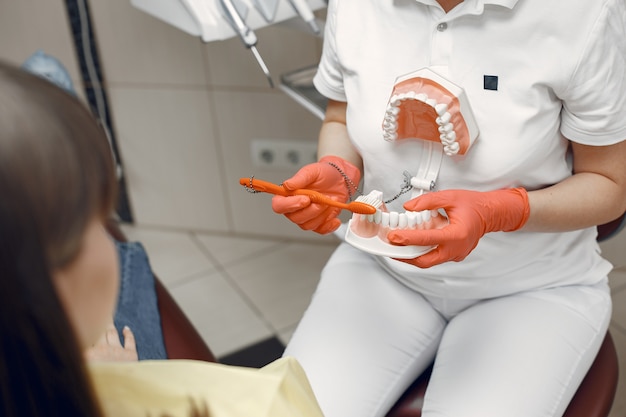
[[428, 108], [424, 105]]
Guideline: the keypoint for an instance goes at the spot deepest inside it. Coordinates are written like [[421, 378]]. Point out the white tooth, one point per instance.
[[431, 102], [453, 149], [446, 128], [393, 219], [451, 136], [390, 137], [441, 108], [434, 213], [394, 110], [418, 218], [425, 215], [395, 100], [390, 125], [444, 139], [410, 95], [421, 97], [403, 221], [410, 215], [384, 220], [443, 119], [378, 216]]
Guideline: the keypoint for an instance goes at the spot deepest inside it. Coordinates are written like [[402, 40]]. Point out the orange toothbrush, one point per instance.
[[316, 197]]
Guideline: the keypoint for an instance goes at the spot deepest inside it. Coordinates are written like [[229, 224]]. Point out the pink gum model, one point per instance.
[[424, 105]]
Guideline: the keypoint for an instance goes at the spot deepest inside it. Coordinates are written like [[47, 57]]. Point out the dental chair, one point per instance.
[[594, 397]]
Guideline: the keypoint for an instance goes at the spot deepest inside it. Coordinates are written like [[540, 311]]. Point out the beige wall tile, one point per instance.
[[219, 313], [173, 255], [170, 157], [280, 283], [282, 49], [243, 117], [138, 48]]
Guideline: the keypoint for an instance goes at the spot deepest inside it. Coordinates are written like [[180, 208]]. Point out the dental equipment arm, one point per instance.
[[246, 34], [471, 214]]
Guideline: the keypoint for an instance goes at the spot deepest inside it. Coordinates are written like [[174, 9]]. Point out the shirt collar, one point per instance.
[[504, 3]]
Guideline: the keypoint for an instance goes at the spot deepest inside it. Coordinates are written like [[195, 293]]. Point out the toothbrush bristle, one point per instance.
[[373, 199]]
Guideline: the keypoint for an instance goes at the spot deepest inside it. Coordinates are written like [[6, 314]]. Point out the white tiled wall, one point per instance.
[[184, 111]]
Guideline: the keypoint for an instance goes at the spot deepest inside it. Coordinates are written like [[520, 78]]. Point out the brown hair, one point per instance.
[[56, 174]]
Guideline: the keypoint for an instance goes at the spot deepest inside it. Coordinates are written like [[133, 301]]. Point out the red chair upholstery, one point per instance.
[[182, 340]]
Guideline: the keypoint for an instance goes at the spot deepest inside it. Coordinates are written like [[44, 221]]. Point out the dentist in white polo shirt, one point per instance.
[[514, 301]]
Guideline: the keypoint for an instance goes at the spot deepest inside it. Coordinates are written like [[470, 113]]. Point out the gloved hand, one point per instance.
[[333, 176], [471, 214]]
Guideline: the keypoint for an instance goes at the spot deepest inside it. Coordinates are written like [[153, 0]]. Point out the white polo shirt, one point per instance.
[[535, 72]]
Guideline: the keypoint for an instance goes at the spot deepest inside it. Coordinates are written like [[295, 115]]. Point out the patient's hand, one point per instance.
[[110, 349]]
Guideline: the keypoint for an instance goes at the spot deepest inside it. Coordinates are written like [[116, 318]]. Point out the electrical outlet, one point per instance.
[[282, 154]]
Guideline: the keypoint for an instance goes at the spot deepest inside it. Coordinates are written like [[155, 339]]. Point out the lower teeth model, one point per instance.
[[369, 232], [425, 105]]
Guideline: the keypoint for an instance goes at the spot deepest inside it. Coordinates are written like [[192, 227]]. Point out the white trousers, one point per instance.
[[365, 337]]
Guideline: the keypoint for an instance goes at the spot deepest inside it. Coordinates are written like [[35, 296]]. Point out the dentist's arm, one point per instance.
[[333, 138], [337, 174], [595, 194]]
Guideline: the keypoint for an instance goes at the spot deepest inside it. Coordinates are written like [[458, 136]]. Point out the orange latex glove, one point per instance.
[[326, 177], [471, 214]]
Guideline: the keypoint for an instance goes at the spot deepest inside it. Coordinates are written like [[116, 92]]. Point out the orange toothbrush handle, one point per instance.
[[269, 187], [316, 197]]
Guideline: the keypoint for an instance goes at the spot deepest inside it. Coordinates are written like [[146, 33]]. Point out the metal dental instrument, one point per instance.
[[246, 34]]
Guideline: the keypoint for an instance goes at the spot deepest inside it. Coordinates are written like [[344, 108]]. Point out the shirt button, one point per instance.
[[442, 26]]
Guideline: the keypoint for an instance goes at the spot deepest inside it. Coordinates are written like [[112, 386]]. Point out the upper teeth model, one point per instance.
[[425, 105]]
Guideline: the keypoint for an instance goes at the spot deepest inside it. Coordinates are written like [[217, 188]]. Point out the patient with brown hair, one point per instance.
[[59, 282]]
